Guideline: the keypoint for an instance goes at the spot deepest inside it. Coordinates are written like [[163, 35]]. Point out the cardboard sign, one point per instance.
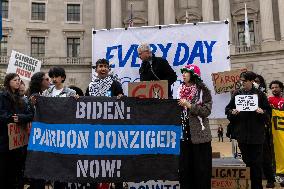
[[148, 89], [18, 135], [229, 184], [23, 65], [227, 172], [226, 81], [246, 102]]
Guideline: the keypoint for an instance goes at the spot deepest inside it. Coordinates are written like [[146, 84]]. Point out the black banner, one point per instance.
[[100, 139]]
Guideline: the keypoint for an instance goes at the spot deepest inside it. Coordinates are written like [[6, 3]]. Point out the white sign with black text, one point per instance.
[[246, 102], [23, 65]]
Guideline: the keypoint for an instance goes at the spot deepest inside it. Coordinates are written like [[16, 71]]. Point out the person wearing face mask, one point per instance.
[[268, 172], [250, 127], [260, 84], [155, 68], [195, 149]]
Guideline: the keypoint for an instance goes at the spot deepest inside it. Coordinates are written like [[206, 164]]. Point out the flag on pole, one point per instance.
[[186, 17], [130, 22], [247, 34]]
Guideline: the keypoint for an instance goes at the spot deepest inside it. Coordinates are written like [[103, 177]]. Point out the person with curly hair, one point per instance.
[[39, 83], [195, 148]]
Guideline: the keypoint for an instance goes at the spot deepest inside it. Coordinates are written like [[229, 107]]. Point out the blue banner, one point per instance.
[[88, 139]]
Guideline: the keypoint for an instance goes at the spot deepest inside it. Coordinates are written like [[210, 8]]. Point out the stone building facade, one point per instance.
[[59, 31]]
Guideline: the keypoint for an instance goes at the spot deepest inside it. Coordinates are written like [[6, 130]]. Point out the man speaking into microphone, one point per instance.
[[155, 68]]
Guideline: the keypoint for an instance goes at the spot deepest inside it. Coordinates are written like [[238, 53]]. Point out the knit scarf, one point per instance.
[[188, 92]]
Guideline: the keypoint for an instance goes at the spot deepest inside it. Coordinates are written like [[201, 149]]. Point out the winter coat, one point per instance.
[[7, 110], [162, 71], [198, 116], [249, 125]]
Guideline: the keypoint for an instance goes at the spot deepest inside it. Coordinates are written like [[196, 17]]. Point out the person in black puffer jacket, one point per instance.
[[249, 127]]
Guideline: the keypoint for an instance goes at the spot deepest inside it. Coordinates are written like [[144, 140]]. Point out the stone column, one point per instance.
[[116, 21], [266, 17], [207, 10], [281, 17], [169, 12], [100, 14], [225, 13], [153, 12]]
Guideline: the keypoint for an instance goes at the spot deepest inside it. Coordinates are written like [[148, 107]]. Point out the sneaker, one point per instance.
[[270, 185]]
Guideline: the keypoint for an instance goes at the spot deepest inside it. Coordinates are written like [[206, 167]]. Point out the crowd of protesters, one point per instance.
[[252, 129]]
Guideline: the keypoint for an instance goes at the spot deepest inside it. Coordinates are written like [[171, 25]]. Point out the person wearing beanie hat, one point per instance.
[[195, 148], [155, 68]]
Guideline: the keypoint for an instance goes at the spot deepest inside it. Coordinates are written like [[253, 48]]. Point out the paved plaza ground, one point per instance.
[[225, 149]]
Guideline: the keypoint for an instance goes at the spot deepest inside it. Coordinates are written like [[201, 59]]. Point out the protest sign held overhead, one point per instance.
[[23, 65]]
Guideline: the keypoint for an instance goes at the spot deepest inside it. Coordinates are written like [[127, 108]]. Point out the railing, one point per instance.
[[245, 49], [4, 59], [57, 60]]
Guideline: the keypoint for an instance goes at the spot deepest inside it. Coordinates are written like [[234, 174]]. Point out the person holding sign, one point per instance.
[[58, 76], [13, 110], [155, 68], [249, 123], [104, 84], [39, 83], [196, 151]]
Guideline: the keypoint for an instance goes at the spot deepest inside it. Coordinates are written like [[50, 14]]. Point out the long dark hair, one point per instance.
[[35, 83], [17, 101], [262, 84]]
